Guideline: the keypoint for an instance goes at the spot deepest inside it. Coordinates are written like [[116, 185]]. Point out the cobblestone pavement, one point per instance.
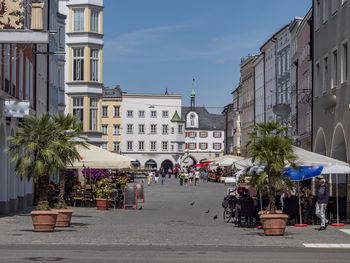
[[167, 219]]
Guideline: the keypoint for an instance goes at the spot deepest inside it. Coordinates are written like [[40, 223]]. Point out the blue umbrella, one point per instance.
[[300, 174], [303, 172]]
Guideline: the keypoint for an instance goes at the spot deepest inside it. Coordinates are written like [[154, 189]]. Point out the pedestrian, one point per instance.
[[149, 178], [156, 178], [181, 178], [170, 171], [190, 177], [176, 172], [196, 177], [186, 178], [321, 204], [163, 176]]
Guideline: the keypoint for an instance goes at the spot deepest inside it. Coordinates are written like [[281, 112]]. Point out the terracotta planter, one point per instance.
[[64, 217], [102, 203], [274, 224], [44, 221]]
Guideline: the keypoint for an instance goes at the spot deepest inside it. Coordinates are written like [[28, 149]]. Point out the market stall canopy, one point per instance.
[[307, 158], [228, 160], [96, 157], [336, 169]]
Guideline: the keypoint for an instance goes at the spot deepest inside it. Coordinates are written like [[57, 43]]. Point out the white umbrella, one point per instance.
[[308, 158], [337, 169]]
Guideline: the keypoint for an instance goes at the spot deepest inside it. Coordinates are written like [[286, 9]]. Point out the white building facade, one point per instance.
[[152, 129], [259, 89]]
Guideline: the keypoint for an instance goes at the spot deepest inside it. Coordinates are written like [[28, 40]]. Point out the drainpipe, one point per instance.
[[48, 61]]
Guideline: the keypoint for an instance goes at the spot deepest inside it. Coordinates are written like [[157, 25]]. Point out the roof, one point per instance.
[[207, 121], [112, 92], [177, 118], [272, 38]]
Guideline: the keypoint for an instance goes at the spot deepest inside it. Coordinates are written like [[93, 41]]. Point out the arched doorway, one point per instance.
[[151, 165], [136, 164], [320, 143], [166, 165], [339, 152], [189, 161]]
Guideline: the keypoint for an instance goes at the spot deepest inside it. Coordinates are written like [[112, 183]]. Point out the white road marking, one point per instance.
[[346, 231], [318, 245]]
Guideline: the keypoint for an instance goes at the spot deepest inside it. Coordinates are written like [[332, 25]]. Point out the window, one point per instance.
[[165, 146], [105, 129], [153, 114], [116, 129], [325, 74], [141, 145], [165, 114], [104, 111], [217, 134], [344, 63], [203, 146], [93, 113], [180, 129], [94, 20], [116, 111], [179, 147], [78, 21], [78, 108], [192, 134], [104, 146], [317, 82], [153, 145], [172, 147], [116, 146], [192, 146], [217, 146], [334, 79], [20, 86], [14, 70], [153, 128], [192, 117], [165, 129], [129, 114], [94, 61], [172, 130], [61, 39], [129, 129], [78, 64], [317, 14], [141, 129], [325, 11], [141, 114], [129, 146], [203, 134]]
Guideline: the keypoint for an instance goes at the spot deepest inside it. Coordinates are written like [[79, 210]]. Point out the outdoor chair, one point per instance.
[[78, 197]]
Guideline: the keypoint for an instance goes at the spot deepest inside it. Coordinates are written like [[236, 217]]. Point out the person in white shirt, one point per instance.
[[196, 177]]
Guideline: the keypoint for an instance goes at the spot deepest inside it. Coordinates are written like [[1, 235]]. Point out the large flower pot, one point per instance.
[[274, 224], [44, 221], [102, 203], [64, 217]]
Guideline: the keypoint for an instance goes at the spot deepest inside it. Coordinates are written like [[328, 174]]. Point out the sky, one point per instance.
[[154, 45]]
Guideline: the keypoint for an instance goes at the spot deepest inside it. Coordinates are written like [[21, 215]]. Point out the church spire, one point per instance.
[[193, 95]]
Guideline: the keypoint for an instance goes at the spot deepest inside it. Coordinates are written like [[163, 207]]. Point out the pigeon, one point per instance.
[[215, 217], [192, 203], [207, 212], [140, 208]]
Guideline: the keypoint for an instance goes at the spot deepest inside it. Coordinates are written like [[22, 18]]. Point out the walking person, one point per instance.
[[182, 178], [196, 177], [170, 171], [156, 178], [149, 178], [186, 178], [321, 204], [176, 172], [190, 176], [163, 176]]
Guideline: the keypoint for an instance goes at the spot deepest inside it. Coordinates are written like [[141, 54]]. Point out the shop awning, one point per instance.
[[95, 157]]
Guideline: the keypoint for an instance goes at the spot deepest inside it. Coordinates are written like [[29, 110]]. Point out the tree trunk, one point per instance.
[[271, 194], [43, 183], [61, 197]]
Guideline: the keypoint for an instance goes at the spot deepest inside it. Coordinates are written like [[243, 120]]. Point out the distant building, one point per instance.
[[259, 89], [246, 100], [111, 119], [228, 113], [236, 124], [152, 130], [205, 134]]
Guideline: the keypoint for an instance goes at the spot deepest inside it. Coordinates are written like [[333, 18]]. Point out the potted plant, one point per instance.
[[271, 149], [103, 192], [68, 130]]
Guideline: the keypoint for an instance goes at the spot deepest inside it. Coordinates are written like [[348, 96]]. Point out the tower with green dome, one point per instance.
[[193, 96]]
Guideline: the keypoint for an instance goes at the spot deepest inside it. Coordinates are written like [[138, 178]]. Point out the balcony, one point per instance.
[[13, 26]]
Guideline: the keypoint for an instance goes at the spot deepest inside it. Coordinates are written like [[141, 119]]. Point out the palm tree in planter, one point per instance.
[[68, 131], [268, 147], [38, 151]]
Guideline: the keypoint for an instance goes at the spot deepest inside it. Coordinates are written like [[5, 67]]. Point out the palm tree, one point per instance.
[[42, 147], [69, 129], [269, 147], [35, 150]]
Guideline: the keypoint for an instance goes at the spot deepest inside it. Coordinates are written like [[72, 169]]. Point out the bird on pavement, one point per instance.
[[215, 217], [207, 212], [192, 203]]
